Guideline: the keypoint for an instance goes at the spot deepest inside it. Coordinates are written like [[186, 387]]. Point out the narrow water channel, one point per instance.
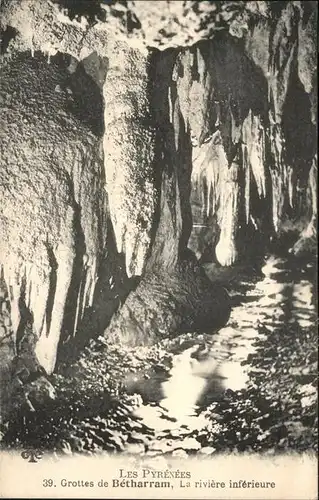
[[207, 371]]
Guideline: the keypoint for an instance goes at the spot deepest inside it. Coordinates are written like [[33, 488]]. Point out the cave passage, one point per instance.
[[129, 163]]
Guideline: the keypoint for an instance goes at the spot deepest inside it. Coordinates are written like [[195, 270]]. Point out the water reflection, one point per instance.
[[200, 374]]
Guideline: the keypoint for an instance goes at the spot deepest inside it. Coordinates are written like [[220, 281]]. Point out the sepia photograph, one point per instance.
[[158, 249]]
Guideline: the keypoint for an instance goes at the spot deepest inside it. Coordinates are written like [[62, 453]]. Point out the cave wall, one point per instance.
[[52, 195], [117, 157], [263, 120]]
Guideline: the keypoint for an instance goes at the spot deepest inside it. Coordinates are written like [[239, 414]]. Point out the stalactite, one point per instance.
[[194, 88], [313, 188], [226, 248], [307, 242], [210, 166], [275, 44], [223, 123], [254, 158], [254, 143], [307, 56], [279, 175], [247, 192], [291, 187], [86, 177], [283, 52], [129, 143]]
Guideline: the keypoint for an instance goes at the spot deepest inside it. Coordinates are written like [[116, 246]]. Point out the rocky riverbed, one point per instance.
[[249, 387]]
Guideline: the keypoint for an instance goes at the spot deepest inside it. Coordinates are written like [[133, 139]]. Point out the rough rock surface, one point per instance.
[[52, 196], [170, 303]]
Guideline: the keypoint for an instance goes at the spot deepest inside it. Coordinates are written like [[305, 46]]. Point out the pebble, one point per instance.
[[179, 453], [191, 444], [162, 446], [207, 450]]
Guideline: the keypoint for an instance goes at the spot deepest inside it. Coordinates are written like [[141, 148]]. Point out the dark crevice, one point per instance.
[[299, 131], [111, 291], [91, 10], [52, 285], [224, 57], [86, 99], [184, 173], [132, 22], [26, 318], [309, 8], [78, 272], [5, 37], [160, 81]]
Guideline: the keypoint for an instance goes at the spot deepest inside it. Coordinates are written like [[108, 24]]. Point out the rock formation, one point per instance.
[[132, 133]]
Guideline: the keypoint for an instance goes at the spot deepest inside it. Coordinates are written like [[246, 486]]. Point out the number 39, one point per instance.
[[47, 483]]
